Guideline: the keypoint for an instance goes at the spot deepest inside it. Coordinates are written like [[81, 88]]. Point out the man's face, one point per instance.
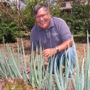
[[43, 18]]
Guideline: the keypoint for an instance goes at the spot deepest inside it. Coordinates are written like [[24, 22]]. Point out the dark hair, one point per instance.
[[38, 6]]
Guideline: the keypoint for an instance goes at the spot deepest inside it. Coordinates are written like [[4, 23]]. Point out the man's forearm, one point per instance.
[[65, 45]]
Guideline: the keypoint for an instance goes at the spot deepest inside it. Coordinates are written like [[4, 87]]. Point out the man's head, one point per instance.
[[42, 16]]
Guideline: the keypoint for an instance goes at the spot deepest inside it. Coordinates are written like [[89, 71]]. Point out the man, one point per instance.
[[53, 34]]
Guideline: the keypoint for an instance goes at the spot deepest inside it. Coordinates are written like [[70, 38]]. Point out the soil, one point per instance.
[[80, 49]]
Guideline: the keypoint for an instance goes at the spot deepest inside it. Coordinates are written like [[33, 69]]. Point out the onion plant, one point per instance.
[[13, 65]]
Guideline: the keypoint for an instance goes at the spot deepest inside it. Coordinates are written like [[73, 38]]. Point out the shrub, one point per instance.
[[78, 20], [9, 28], [9, 31]]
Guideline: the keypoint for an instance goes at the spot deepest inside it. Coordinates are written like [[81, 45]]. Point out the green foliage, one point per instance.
[[28, 19], [54, 8], [9, 30], [14, 21], [79, 19]]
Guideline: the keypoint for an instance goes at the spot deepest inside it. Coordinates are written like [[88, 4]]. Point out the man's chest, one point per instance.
[[49, 38]]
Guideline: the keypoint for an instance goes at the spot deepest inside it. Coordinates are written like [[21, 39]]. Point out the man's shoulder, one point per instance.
[[57, 19]]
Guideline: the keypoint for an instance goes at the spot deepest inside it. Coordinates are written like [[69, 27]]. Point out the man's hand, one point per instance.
[[47, 53]]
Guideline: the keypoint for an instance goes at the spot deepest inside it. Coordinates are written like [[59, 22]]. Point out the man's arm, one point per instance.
[[65, 45], [47, 53]]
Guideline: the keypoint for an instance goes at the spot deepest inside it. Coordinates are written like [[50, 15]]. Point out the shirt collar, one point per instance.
[[51, 23]]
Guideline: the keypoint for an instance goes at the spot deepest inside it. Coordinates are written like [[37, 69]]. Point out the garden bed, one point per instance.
[[80, 47]]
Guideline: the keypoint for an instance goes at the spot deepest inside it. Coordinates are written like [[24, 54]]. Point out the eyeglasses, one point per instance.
[[43, 15]]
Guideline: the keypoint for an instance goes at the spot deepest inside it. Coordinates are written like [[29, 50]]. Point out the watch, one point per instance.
[[57, 49]]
